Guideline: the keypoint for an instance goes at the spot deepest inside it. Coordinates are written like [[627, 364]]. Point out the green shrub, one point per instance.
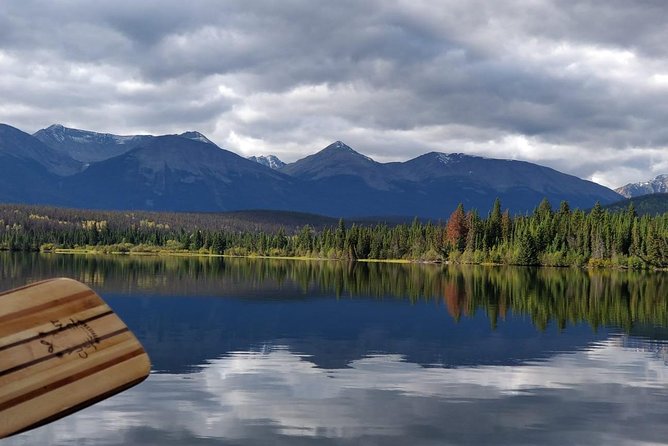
[[634, 262], [598, 263]]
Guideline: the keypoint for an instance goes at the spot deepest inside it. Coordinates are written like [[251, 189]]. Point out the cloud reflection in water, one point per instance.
[[606, 394]]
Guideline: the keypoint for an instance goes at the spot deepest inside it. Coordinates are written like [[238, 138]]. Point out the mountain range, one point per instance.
[[658, 185], [187, 172]]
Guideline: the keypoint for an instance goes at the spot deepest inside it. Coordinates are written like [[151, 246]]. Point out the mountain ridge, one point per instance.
[[20, 144], [87, 146], [339, 159], [658, 184], [172, 172], [420, 183], [188, 172]]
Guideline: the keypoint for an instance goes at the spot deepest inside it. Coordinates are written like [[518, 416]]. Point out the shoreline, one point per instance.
[[83, 251], [76, 251]]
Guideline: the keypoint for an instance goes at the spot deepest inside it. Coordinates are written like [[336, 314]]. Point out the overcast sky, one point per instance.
[[581, 86]]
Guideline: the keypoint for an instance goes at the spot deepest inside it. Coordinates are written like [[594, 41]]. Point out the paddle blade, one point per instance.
[[61, 349]]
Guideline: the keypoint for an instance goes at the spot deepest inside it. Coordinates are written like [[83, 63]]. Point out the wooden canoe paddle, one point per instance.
[[61, 349]]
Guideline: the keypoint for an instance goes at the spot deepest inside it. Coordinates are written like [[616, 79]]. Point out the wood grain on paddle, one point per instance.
[[61, 349]]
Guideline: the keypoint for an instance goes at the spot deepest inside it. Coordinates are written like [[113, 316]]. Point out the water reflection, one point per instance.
[[605, 394], [286, 352], [548, 295], [182, 332]]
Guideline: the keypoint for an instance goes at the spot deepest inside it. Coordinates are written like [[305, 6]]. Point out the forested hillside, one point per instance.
[[653, 204]]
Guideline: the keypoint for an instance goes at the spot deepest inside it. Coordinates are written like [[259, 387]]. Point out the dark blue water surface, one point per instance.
[[259, 352], [183, 332]]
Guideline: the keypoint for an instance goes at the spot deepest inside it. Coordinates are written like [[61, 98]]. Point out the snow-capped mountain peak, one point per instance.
[[270, 161], [657, 185]]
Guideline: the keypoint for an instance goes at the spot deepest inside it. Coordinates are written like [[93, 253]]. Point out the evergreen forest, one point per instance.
[[549, 237]]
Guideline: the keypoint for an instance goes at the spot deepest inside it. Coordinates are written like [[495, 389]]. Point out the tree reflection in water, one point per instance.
[[559, 295]]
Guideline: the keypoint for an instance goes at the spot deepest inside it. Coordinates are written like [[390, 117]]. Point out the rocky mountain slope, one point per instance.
[[657, 185]]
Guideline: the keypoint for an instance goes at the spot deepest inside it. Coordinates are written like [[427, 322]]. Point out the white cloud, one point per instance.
[[571, 86]]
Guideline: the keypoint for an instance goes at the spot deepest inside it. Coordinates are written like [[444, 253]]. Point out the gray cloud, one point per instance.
[[580, 87]]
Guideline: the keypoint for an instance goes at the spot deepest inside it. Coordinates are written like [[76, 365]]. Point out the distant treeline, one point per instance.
[[652, 204], [561, 237]]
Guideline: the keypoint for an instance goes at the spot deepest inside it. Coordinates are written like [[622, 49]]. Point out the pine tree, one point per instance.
[[527, 252], [494, 224], [544, 209]]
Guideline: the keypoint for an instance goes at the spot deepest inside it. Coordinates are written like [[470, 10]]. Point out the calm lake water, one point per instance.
[[267, 352]]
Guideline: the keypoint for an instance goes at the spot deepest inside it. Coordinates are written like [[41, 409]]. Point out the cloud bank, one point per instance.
[[580, 86]]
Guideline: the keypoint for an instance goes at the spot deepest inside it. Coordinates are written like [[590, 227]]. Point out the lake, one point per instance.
[[273, 352]]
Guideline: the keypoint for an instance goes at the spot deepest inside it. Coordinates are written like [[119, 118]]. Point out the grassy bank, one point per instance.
[[466, 258]]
